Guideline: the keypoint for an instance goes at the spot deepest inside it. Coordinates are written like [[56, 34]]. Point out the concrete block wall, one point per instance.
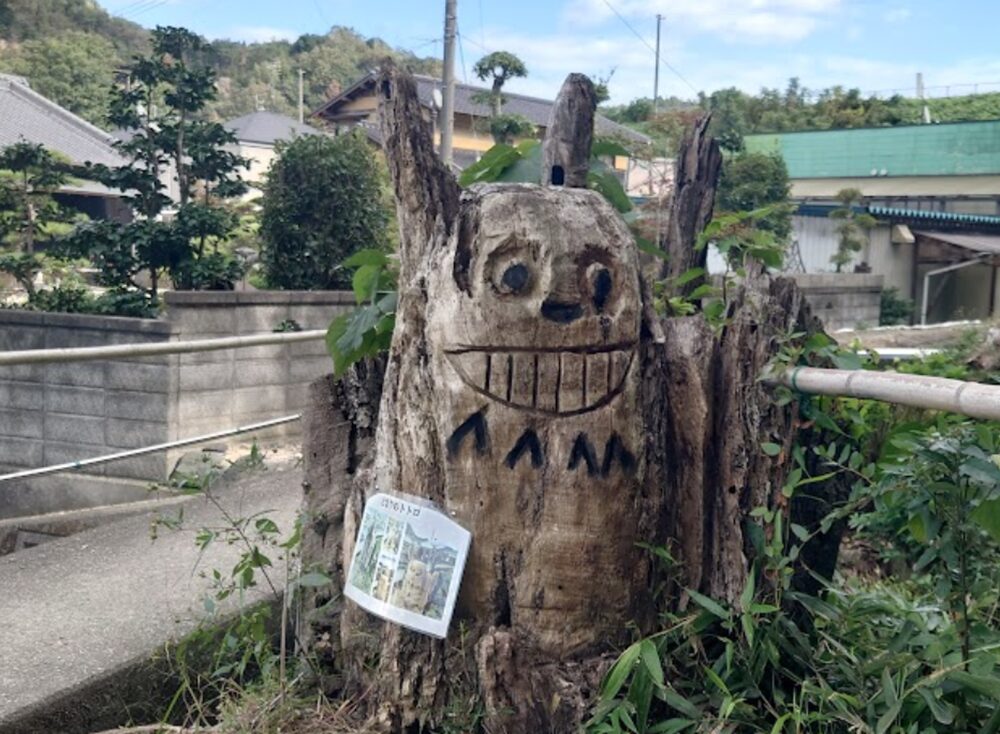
[[52, 414], [234, 387], [843, 300]]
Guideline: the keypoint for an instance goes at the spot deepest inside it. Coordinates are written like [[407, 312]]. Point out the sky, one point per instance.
[[705, 44]]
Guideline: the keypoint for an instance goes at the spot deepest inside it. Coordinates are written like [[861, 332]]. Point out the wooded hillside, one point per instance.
[[69, 50], [737, 113]]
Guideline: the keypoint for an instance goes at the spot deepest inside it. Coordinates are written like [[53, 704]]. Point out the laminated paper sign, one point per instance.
[[408, 563]]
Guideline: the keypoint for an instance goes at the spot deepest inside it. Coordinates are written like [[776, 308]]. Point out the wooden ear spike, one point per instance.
[[566, 149], [426, 191]]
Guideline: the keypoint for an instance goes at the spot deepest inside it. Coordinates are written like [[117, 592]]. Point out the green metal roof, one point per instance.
[[957, 149], [890, 212]]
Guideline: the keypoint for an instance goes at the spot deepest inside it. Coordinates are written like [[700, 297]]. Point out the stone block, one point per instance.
[[201, 405], [315, 348], [316, 316], [77, 429], [23, 372], [307, 369], [134, 405], [71, 337], [155, 378], [264, 351], [75, 400], [213, 357], [67, 491], [82, 374], [20, 395], [22, 423], [191, 322], [151, 467], [260, 319], [17, 337], [209, 376], [21, 452], [128, 434], [259, 372], [263, 399], [57, 452]]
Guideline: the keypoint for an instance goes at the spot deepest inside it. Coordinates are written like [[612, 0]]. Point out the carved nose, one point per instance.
[[560, 311]]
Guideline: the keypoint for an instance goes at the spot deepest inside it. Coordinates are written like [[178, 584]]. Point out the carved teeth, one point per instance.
[[563, 383]]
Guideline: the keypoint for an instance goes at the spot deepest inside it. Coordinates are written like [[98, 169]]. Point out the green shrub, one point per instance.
[[894, 310], [322, 202]]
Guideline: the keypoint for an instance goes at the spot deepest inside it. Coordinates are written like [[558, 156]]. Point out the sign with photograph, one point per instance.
[[407, 564]]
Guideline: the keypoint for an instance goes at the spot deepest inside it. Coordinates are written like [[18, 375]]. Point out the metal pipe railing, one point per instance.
[[73, 465], [122, 351], [973, 399]]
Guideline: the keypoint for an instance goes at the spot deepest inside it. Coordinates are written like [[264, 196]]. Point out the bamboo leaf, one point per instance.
[[709, 605], [651, 661], [620, 672], [987, 516]]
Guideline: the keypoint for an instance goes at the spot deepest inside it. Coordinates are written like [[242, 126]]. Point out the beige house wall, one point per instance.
[[898, 187]]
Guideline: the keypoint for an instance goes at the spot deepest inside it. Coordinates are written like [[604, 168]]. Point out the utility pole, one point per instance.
[[448, 93], [923, 101], [656, 71], [302, 104]]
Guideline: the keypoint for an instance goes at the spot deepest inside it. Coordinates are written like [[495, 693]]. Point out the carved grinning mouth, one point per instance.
[[564, 381]]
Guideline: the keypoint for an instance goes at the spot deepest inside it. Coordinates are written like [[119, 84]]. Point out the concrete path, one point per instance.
[[79, 614]]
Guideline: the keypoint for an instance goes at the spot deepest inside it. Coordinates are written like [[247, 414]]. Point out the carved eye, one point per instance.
[[515, 279], [599, 280]]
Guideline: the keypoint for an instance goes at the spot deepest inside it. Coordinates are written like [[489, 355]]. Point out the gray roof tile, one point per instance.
[[534, 109], [267, 127], [27, 115]]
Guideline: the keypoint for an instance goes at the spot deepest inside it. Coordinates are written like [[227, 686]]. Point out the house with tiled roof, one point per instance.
[[25, 115], [257, 134], [934, 191], [357, 105]]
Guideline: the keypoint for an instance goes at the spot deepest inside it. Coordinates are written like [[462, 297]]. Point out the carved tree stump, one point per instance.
[[532, 394]]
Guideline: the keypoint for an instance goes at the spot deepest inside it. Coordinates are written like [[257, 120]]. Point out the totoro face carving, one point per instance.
[[548, 311]]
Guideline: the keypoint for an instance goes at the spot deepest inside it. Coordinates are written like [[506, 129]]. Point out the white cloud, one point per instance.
[[260, 34], [897, 15]]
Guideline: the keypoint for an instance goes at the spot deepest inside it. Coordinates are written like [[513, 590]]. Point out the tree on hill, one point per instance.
[[29, 216], [498, 68], [751, 181], [75, 69], [40, 19], [852, 226], [322, 202], [160, 109]]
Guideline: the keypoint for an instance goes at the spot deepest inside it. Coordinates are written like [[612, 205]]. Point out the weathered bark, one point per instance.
[[533, 395], [698, 164], [986, 357], [719, 413], [338, 431], [510, 400], [566, 149]]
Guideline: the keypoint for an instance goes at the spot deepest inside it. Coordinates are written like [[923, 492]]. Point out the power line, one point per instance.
[[125, 9], [322, 14], [648, 45], [480, 46], [461, 55], [147, 8], [482, 24]]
